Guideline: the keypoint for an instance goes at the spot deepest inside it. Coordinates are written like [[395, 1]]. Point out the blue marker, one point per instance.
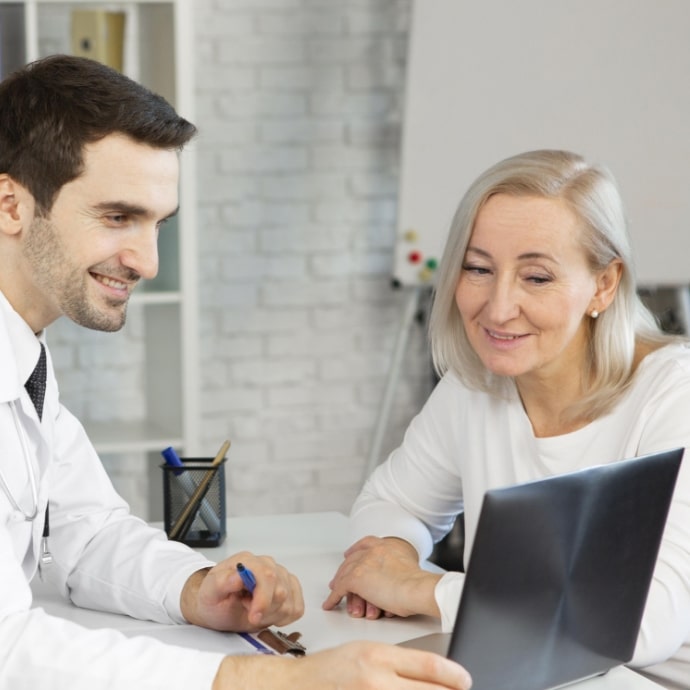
[[247, 576], [172, 459]]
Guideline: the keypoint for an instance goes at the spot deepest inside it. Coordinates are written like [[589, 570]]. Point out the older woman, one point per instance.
[[550, 363]]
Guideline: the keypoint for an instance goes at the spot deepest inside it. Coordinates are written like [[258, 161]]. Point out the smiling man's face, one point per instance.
[[101, 235]]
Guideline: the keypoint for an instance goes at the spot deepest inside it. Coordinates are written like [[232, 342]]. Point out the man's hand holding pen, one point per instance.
[[218, 598]]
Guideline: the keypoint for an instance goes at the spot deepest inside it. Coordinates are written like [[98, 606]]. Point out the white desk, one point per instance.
[[311, 546]]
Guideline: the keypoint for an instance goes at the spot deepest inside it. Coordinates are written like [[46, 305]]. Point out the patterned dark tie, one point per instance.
[[36, 388], [36, 383]]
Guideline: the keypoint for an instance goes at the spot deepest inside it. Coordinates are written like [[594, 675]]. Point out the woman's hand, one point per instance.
[[216, 598], [383, 577]]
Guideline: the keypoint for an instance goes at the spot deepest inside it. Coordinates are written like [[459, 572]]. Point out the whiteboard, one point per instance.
[[609, 79]]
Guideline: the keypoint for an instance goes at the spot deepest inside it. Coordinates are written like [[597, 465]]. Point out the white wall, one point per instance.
[[612, 95]]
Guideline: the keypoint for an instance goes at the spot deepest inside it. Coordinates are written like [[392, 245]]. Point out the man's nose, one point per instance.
[[141, 253]]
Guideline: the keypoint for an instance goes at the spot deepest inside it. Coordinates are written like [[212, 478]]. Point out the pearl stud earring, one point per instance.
[[594, 314]]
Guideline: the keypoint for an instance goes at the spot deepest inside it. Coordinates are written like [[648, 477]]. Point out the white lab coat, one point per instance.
[[104, 558]]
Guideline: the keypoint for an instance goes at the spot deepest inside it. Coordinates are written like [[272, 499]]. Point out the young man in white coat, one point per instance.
[[88, 176]]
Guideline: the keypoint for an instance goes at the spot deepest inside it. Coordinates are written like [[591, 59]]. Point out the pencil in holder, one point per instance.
[[204, 524]]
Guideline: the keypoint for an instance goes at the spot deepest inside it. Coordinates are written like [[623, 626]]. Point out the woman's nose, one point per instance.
[[503, 302]]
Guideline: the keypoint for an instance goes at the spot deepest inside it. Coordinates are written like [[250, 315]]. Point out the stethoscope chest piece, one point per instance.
[[46, 558]]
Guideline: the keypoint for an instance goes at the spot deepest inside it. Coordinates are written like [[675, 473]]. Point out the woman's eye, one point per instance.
[[539, 280], [476, 270]]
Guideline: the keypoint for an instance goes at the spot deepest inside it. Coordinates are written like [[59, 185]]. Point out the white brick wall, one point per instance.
[[299, 104]]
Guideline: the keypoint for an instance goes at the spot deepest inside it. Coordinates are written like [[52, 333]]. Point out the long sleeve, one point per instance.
[[418, 491], [666, 621], [465, 442], [104, 558], [40, 651]]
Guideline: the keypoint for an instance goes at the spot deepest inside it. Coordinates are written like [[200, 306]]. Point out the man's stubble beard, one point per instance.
[[56, 275]]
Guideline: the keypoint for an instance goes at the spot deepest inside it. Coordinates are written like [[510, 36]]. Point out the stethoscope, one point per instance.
[[46, 558]]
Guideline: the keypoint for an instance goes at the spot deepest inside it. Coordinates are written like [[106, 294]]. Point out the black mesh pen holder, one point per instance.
[[199, 522]]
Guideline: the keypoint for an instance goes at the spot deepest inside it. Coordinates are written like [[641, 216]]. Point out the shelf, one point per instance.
[[163, 376], [127, 437], [143, 297], [87, 2]]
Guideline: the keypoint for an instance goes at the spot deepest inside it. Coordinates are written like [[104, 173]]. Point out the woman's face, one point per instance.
[[525, 289]]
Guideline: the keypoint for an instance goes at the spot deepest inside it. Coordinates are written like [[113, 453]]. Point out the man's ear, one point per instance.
[[16, 205]]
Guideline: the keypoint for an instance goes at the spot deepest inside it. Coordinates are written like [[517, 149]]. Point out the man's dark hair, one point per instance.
[[51, 108]]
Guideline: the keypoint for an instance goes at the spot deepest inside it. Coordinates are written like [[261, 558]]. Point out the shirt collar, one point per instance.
[[19, 351]]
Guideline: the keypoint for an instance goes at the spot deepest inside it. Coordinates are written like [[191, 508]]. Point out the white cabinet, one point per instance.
[[158, 53]]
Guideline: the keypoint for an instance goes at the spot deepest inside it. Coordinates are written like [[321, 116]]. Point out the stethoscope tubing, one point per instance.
[[31, 515]]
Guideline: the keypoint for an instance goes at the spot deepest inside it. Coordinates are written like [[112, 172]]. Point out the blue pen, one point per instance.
[[247, 576], [256, 644]]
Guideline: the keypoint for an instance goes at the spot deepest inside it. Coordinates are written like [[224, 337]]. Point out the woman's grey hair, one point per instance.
[[592, 194]]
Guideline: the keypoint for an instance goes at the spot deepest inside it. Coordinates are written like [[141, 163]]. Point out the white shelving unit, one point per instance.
[[158, 53]]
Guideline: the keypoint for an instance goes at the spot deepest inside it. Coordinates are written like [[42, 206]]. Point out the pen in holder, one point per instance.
[[194, 500]]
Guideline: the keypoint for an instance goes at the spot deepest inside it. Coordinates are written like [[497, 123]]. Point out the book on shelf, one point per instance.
[[99, 35]]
